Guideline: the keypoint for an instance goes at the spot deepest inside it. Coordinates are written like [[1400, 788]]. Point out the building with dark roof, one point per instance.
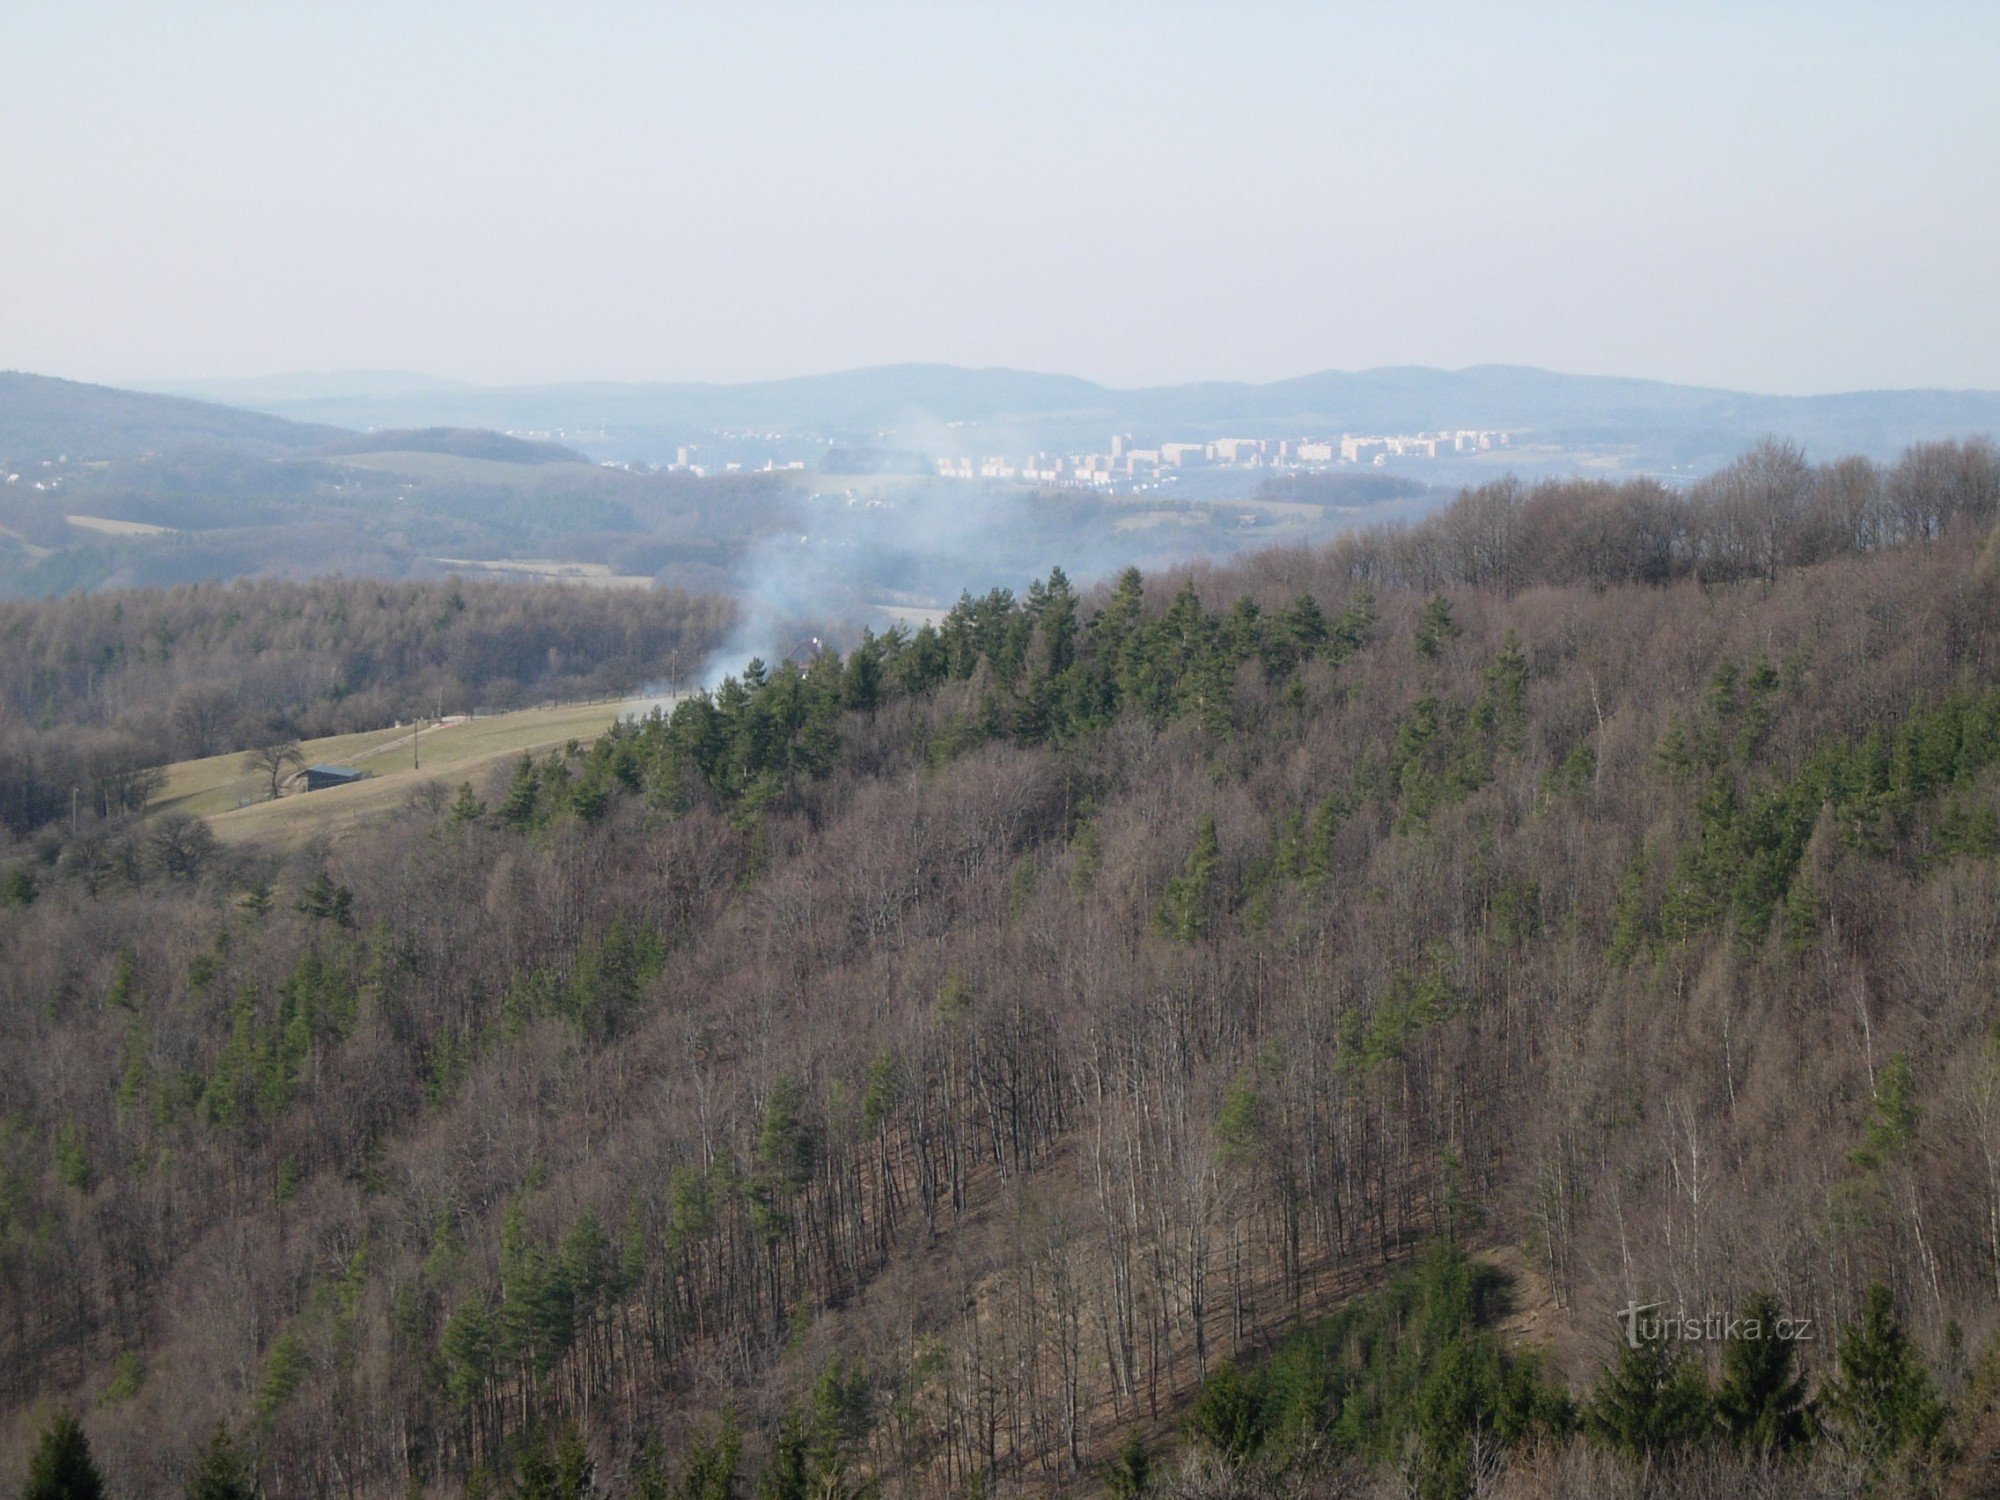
[[319, 778]]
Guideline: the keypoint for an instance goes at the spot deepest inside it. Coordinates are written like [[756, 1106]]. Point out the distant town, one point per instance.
[[1127, 466]]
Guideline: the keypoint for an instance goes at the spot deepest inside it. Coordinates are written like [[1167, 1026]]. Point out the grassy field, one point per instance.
[[110, 527], [234, 798]]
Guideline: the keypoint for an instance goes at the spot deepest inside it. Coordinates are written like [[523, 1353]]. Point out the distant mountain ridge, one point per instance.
[[43, 417], [263, 391], [915, 402]]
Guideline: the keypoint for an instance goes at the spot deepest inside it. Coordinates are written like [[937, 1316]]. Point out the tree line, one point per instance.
[[97, 690]]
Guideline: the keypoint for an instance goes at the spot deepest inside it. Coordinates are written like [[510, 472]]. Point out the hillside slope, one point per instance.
[[460, 442], [933, 1066], [42, 417]]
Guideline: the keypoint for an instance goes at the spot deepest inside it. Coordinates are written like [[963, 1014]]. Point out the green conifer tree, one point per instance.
[[220, 1472], [1436, 629], [1356, 623], [1183, 911], [1131, 1474], [517, 808], [466, 807], [1880, 1400], [1652, 1400], [467, 1344], [61, 1468], [1761, 1399], [1227, 1416], [710, 1470], [19, 887]]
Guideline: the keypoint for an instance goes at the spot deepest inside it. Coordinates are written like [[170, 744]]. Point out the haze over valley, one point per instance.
[[900, 752]]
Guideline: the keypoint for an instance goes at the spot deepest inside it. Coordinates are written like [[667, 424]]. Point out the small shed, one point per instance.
[[319, 778]]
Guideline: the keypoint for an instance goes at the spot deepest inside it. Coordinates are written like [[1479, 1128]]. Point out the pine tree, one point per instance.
[[1352, 629], [559, 1471], [787, 1144], [1506, 679], [1305, 623], [327, 901], [1761, 1399], [586, 1263], [220, 1473], [285, 1370], [1227, 1416], [862, 686], [576, 1473], [517, 808], [1652, 1400], [1881, 1400], [1436, 629], [467, 1345], [466, 808], [1183, 911], [1630, 927], [18, 889], [710, 1471], [1131, 1473], [787, 1473], [62, 1468], [1895, 1119], [537, 1321]]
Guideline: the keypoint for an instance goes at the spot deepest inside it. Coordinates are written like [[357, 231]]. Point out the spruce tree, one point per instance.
[[1435, 628], [1761, 1400], [862, 687], [1183, 911], [467, 1345], [1651, 1401], [559, 1471], [517, 808], [1881, 1400], [787, 1473], [1131, 1473], [1305, 623], [220, 1472], [710, 1470], [1357, 621], [467, 807], [1227, 1416], [576, 1472], [62, 1468], [19, 887]]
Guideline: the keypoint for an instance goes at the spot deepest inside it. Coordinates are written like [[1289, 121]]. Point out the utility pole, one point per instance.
[[416, 755]]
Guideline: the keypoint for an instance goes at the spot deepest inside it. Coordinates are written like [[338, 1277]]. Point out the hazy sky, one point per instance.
[[1771, 196]]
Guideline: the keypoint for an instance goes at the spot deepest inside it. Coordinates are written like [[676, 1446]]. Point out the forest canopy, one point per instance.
[[1247, 1028]]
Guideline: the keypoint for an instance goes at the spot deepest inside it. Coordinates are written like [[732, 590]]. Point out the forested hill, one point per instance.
[[99, 690], [1240, 1032], [42, 417], [459, 442]]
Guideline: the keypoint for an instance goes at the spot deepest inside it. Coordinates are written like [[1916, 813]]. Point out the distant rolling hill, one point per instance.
[[914, 405], [457, 442], [42, 417], [848, 401]]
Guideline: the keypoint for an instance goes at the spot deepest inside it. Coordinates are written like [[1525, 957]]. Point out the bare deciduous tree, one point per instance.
[[273, 761]]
